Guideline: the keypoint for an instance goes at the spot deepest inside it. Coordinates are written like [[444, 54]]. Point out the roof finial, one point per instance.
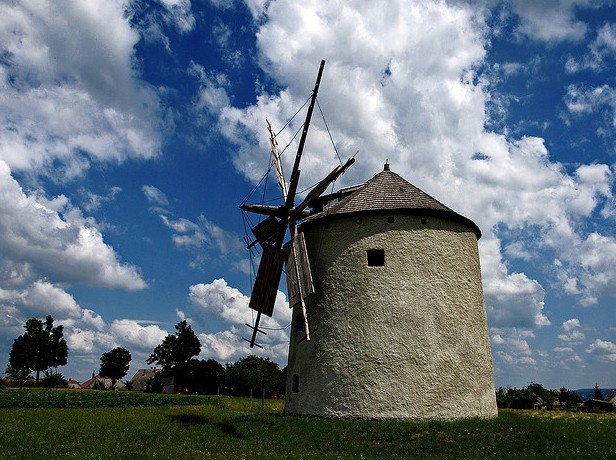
[[386, 167]]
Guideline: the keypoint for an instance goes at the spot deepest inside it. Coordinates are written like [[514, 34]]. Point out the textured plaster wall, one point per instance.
[[407, 340]]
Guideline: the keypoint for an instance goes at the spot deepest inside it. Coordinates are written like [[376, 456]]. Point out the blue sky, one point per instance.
[[130, 132]]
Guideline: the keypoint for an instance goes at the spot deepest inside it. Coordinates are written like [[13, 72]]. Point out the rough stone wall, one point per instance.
[[407, 340]]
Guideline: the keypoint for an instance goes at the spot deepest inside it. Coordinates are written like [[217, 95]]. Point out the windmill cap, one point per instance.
[[384, 193]]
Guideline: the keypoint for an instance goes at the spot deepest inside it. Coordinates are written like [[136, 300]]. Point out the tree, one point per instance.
[[254, 373], [154, 384], [176, 350], [569, 398], [597, 393], [526, 398], [549, 397], [203, 377], [54, 379], [20, 362], [114, 364], [41, 347], [501, 397]]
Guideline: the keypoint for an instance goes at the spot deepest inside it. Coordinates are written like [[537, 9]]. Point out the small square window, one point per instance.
[[376, 257], [391, 219], [424, 221]]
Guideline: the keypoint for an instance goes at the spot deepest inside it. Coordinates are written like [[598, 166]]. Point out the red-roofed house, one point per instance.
[[101, 383]]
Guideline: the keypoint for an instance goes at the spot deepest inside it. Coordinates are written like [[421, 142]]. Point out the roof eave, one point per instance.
[[447, 215]]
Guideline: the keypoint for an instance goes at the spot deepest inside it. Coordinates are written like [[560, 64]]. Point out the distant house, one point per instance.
[[607, 405], [599, 405], [610, 402], [170, 387], [101, 383], [73, 383], [140, 380], [141, 377], [539, 403]]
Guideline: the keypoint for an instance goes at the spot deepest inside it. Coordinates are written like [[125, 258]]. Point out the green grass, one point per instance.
[[239, 430], [55, 399]]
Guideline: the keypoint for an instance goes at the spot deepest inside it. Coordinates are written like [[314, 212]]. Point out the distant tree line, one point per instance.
[[176, 354], [535, 396], [42, 348]]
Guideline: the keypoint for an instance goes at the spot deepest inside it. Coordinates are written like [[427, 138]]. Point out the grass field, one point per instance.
[[241, 429], [38, 398]]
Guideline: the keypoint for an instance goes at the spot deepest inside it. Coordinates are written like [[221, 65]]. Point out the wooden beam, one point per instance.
[[295, 173], [318, 190], [299, 276]]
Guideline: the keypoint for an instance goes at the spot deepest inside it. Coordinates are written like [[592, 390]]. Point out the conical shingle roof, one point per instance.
[[387, 192]]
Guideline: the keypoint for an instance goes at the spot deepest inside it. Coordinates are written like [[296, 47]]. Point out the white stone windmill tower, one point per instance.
[[398, 319], [388, 314]]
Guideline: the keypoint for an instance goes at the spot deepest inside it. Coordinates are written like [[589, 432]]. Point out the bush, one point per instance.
[[98, 385], [54, 379], [536, 396], [154, 384], [569, 398]]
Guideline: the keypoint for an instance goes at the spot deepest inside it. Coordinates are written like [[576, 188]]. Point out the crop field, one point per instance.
[[236, 428], [62, 399]]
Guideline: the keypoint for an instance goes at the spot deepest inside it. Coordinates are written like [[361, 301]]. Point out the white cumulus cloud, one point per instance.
[[155, 195], [551, 21], [70, 94], [604, 348], [571, 332], [38, 242], [229, 304], [133, 334]]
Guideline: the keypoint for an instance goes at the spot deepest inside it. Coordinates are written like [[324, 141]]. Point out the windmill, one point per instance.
[[271, 233]]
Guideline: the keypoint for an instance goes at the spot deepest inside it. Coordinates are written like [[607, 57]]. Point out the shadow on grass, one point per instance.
[[190, 419], [200, 420]]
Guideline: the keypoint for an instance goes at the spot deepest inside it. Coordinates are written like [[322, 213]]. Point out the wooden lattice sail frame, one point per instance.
[[271, 233]]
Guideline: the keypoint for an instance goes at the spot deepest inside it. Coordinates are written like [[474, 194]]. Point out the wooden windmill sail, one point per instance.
[[271, 232]]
